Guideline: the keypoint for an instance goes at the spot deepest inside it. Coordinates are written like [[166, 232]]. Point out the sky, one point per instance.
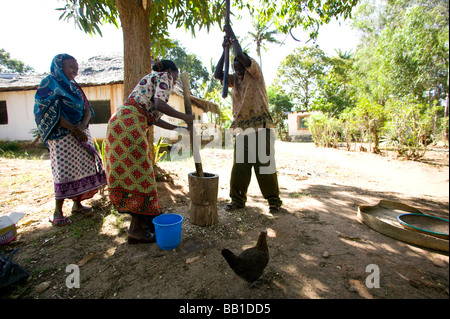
[[30, 31]]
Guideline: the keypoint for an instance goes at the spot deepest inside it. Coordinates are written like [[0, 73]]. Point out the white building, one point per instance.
[[298, 130], [101, 79]]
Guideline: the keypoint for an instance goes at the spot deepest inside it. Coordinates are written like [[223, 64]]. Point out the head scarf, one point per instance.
[[56, 96]]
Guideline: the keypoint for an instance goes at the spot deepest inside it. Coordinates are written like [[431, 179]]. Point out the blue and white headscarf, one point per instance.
[[56, 96]]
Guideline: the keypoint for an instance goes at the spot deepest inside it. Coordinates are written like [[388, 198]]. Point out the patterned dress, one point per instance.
[[77, 167], [129, 169]]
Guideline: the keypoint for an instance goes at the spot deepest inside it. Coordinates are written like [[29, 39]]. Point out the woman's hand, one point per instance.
[[78, 131]]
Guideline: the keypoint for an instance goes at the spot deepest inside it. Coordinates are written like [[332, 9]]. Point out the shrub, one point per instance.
[[325, 130], [409, 127]]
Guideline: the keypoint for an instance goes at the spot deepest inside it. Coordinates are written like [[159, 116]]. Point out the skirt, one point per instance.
[[129, 168], [77, 168]]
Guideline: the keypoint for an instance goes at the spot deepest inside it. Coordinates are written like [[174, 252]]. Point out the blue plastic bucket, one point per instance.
[[168, 230]]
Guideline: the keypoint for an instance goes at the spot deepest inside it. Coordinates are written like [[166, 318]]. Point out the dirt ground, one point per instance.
[[321, 190]]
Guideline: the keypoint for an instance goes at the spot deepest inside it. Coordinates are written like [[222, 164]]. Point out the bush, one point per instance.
[[409, 127], [18, 149], [10, 146], [325, 130]]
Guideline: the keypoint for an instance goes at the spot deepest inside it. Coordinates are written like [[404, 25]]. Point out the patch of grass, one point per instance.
[[82, 227], [10, 146], [22, 150], [300, 194], [119, 218]]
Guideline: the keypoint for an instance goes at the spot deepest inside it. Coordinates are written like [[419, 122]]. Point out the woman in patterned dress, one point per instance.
[[62, 113], [129, 169]]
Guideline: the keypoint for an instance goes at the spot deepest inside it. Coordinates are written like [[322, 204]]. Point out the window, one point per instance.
[[3, 113], [102, 109], [301, 122]]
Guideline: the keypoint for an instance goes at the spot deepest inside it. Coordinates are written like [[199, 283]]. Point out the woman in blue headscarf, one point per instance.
[[62, 113]]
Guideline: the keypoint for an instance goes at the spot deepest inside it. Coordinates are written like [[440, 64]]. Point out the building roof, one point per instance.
[[101, 70], [98, 70], [8, 75]]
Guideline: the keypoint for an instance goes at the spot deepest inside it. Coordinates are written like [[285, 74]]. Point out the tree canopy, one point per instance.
[[394, 89], [404, 49], [8, 64], [309, 15], [300, 72], [90, 15], [190, 63], [260, 35]]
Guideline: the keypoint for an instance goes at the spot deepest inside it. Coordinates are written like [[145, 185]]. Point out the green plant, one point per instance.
[[409, 127], [324, 129], [11, 149], [157, 155], [350, 130], [100, 150], [10, 146], [370, 117], [83, 227], [118, 218]]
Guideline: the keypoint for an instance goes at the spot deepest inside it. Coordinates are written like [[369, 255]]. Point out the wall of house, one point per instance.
[[20, 106], [20, 109], [113, 93], [297, 133], [177, 102]]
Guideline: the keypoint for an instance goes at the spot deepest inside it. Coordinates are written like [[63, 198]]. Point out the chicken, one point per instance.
[[250, 263]]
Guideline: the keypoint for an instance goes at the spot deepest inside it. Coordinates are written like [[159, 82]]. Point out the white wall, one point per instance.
[[293, 124], [296, 134], [177, 102], [19, 106], [114, 93], [20, 109]]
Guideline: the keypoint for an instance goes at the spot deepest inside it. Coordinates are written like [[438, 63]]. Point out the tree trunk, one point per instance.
[[136, 39], [134, 17], [446, 126], [446, 113]]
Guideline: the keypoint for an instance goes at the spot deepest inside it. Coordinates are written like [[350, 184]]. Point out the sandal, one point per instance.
[[149, 238], [61, 222], [232, 206]]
